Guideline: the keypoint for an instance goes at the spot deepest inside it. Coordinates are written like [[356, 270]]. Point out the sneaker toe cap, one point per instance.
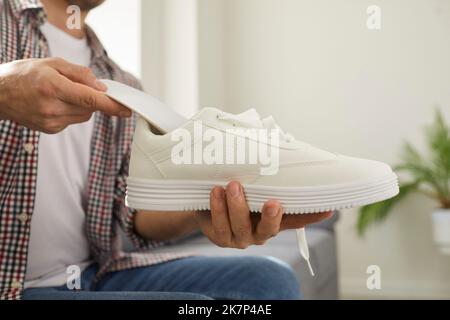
[[341, 170]]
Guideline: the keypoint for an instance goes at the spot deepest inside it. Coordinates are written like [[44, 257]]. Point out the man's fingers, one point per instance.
[[76, 73], [291, 221], [203, 219], [60, 109], [77, 119], [219, 215], [239, 212], [75, 111], [269, 225], [88, 98]]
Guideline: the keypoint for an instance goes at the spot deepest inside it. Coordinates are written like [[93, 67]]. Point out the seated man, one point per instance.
[[64, 154]]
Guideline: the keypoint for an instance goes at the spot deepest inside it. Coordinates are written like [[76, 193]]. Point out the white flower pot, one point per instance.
[[441, 229]]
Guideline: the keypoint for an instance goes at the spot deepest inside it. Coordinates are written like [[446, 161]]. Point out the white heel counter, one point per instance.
[[141, 164]]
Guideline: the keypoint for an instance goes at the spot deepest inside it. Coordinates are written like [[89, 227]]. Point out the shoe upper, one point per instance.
[[287, 161]]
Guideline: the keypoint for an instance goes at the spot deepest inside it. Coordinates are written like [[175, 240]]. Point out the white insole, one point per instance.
[[151, 109]]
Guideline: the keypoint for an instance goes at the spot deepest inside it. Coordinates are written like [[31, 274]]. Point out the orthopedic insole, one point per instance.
[[160, 116]]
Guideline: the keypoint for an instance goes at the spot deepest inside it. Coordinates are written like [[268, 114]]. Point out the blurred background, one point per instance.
[[328, 79]]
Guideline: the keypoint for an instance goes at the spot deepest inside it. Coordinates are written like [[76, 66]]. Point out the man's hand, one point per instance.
[[230, 223], [50, 94]]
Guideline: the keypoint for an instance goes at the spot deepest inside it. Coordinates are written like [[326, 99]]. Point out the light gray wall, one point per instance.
[[170, 52], [119, 28], [330, 81]]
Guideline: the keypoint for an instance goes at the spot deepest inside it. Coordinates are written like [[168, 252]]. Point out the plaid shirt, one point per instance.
[[20, 38]]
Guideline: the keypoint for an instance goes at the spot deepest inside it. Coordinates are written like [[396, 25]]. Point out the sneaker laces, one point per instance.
[[251, 118], [303, 248], [269, 123]]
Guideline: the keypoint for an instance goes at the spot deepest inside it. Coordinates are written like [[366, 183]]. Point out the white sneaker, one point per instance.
[[305, 180], [308, 179]]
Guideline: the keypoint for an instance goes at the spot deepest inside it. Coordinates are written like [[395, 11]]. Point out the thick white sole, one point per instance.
[[187, 195]]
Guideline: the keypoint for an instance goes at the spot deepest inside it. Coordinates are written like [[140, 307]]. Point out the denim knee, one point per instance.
[[268, 278]]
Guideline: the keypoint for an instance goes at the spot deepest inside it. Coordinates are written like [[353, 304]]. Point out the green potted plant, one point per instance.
[[428, 174]]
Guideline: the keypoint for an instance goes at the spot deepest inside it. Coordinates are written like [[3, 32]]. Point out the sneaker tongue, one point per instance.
[[269, 123], [250, 117]]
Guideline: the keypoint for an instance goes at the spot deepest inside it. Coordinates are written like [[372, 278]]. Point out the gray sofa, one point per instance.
[[322, 246]]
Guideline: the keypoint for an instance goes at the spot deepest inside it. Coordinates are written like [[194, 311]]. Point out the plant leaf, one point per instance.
[[438, 137], [377, 212], [434, 170]]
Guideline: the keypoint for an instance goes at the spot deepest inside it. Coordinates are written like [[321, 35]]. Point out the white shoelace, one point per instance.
[[303, 247], [251, 118]]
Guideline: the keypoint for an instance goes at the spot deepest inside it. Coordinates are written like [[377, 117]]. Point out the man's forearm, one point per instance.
[[162, 226]]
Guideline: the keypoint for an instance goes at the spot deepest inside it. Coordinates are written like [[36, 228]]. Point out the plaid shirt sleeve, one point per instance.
[[126, 215], [20, 38]]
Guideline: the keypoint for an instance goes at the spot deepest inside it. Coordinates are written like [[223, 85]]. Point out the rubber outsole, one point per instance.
[[187, 195]]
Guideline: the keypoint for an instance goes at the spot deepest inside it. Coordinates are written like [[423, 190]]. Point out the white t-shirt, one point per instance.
[[58, 236]]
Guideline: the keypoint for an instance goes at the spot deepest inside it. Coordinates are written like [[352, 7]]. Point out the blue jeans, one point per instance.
[[193, 278]]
